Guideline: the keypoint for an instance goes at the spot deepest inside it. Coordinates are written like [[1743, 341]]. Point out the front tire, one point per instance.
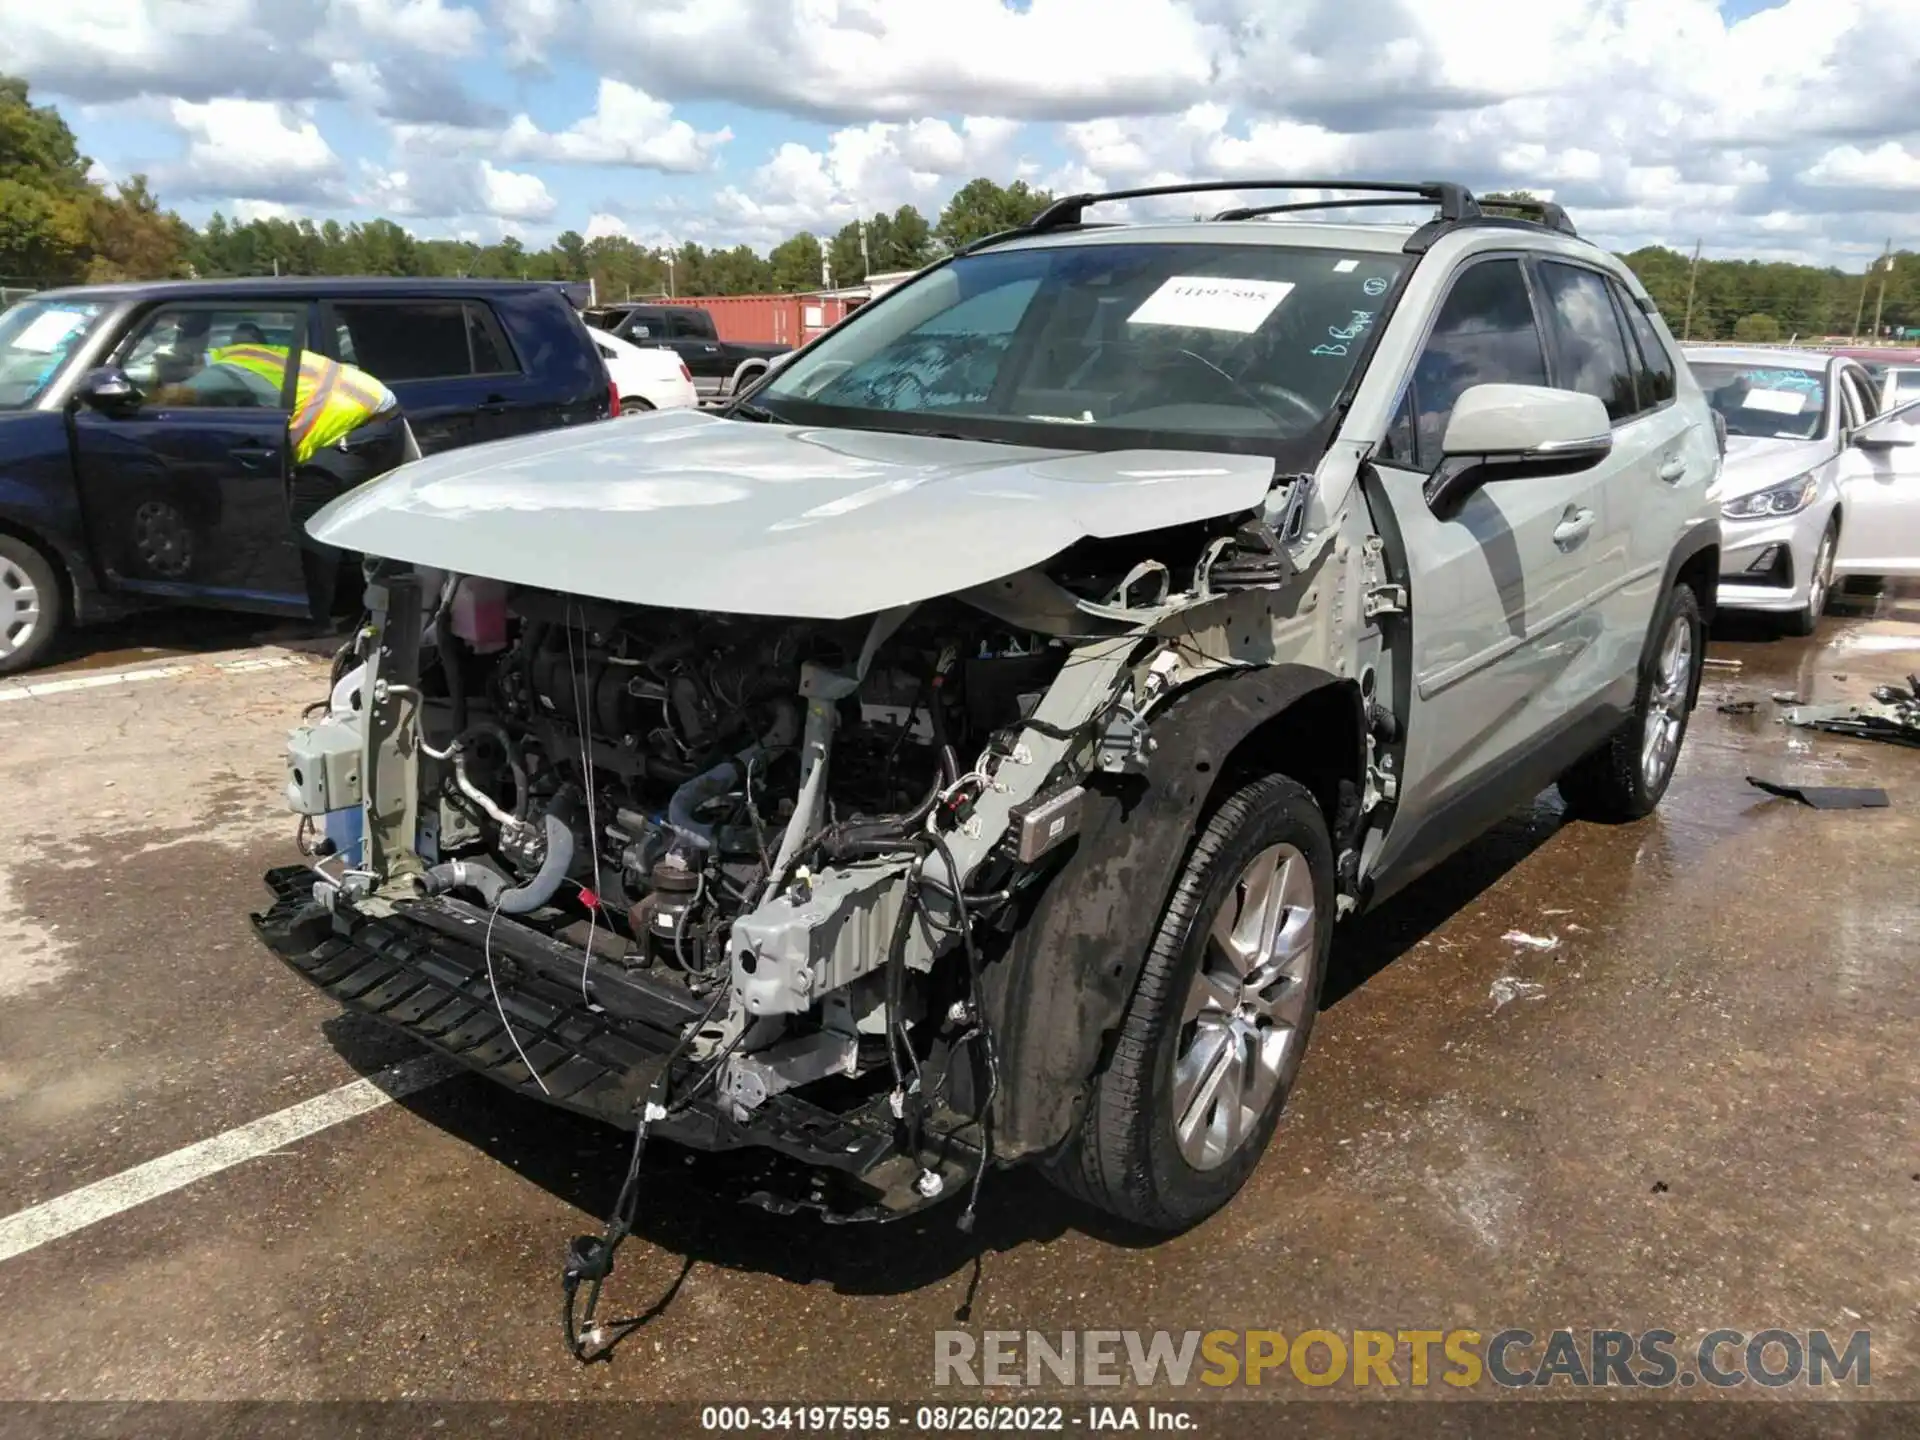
[[1625, 778], [32, 605], [1819, 583], [1211, 1043]]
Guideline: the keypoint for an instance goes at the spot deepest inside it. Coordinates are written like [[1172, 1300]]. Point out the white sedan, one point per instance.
[[1818, 482], [647, 379]]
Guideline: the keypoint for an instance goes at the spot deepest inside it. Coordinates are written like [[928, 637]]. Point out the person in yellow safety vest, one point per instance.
[[331, 400]]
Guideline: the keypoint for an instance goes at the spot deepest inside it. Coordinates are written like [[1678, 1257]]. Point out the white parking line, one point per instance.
[[90, 682], [35, 1226]]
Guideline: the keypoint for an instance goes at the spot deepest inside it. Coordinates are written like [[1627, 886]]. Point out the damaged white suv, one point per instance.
[[961, 751]]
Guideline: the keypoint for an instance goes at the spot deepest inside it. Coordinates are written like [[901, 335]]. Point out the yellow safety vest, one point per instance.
[[331, 400]]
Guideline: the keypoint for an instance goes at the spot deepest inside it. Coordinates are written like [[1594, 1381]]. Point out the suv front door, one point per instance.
[[1879, 487], [185, 491], [1507, 676]]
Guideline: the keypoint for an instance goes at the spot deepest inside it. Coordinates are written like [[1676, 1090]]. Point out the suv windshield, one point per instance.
[[36, 336], [1098, 346], [1782, 402]]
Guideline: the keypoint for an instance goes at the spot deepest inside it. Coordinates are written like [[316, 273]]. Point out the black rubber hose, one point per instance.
[[459, 875]]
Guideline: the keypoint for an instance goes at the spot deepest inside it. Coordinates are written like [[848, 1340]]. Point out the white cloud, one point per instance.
[[251, 150], [627, 127], [513, 195], [893, 59], [864, 169], [1888, 166]]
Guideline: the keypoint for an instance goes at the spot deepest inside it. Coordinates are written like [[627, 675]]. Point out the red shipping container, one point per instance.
[[766, 319]]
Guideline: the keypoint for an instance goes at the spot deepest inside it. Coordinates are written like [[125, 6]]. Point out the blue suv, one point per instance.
[[116, 495]]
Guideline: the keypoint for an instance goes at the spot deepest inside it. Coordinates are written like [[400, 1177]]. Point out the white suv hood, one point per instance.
[[698, 512]]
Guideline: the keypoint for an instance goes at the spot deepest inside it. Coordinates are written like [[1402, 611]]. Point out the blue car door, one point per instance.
[[184, 487]]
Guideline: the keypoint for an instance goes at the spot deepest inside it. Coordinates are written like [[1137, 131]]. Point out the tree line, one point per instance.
[[58, 226]]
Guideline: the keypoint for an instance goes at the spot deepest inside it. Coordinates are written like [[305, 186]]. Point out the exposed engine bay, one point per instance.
[[739, 806]]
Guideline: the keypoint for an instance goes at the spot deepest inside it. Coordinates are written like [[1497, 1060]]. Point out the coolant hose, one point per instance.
[[459, 875], [719, 780]]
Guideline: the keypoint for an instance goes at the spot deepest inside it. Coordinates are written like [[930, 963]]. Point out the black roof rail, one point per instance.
[[1455, 203], [1539, 212], [1254, 212]]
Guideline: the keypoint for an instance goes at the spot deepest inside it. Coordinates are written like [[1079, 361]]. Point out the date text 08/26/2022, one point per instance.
[[944, 1419]]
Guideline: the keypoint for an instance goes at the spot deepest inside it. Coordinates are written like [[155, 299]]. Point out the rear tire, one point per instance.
[[32, 605], [1211, 1043], [1820, 584], [634, 405], [1625, 778]]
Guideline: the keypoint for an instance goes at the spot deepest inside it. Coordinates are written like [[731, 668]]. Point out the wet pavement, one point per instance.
[[1697, 1106]]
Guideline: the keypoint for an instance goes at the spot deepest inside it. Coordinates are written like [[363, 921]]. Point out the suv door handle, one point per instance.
[[1674, 471], [494, 405], [252, 457], [1573, 527]]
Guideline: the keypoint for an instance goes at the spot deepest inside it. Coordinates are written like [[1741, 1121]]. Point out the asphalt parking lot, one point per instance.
[[1698, 1107]]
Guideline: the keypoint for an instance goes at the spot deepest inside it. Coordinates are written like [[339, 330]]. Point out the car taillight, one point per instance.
[[613, 397], [685, 373]]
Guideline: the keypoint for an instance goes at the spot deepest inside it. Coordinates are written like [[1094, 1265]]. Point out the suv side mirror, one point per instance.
[[1515, 432], [107, 390]]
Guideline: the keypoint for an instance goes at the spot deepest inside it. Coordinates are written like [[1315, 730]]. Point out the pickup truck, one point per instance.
[[111, 499], [721, 368]]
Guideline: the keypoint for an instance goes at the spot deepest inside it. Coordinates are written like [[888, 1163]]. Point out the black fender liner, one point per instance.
[[1071, 966]]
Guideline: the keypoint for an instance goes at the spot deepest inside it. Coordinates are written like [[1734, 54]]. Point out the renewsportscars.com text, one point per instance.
[[1461, 1359]]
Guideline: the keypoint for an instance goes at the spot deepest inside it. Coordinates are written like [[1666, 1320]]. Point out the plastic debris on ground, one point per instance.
[[1894, 716], [1825, 797]]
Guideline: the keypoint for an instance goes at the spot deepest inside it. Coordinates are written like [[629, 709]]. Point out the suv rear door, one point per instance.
[[185, 491], [1509, 679], [1602, 344]]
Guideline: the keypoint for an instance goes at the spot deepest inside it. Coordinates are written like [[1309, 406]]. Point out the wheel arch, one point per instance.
[[1695, 563], [1071, 966]]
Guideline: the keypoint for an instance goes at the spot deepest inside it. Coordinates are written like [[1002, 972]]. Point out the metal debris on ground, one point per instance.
[[1785, 697], [1894, 716], [1825, 797], [1512, 987], [1738, 707], [1714, 662], [1532, 942]]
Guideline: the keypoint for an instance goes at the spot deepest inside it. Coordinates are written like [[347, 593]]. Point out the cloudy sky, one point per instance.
[[1786, 128]]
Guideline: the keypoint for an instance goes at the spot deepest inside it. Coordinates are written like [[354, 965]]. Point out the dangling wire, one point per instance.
[[494, 987], [582, 688]]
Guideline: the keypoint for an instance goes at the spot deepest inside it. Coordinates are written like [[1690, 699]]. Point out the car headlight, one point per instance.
[[1788, 499]]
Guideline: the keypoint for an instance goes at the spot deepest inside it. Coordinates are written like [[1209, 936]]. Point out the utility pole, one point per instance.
[[670, 275], [1686, 326], [1886, 264], [866, 260]]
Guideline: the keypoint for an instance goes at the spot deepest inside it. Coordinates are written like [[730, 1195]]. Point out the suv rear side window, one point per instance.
[[1655, 375], [1590, 353], [421, 339], [1484, 335]]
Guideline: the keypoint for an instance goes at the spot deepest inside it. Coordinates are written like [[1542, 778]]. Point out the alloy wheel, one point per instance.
[[1240, 1026], [1667, 704], [1822, 578]]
